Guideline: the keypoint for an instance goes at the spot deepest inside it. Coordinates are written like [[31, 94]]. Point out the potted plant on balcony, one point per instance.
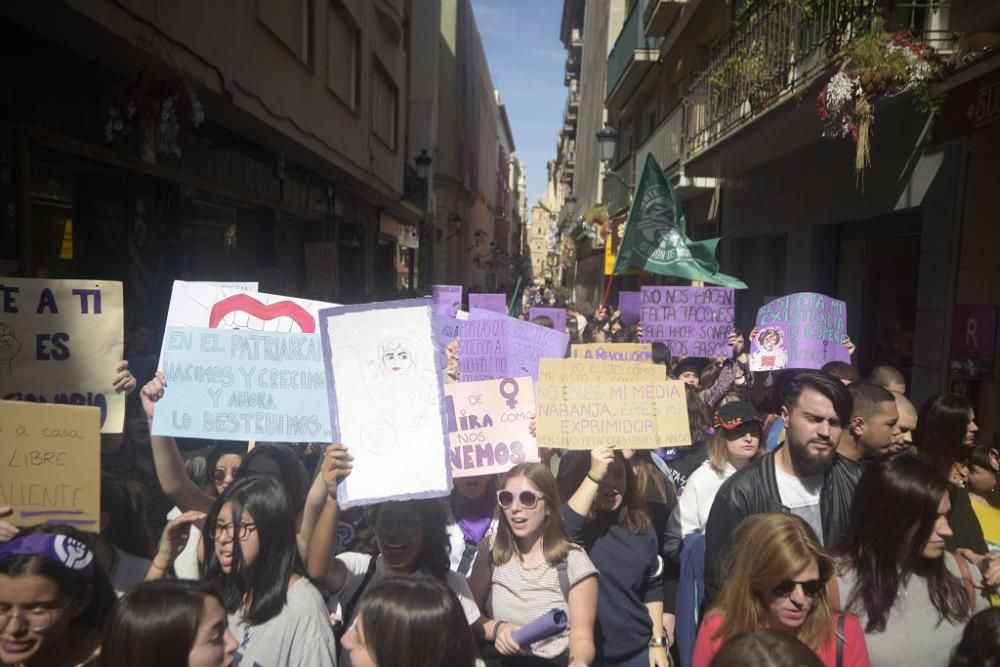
[[876, 64]]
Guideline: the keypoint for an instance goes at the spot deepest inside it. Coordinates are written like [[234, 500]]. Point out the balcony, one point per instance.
[[777, 52], [660, 14], [666, 143], [632, 55]]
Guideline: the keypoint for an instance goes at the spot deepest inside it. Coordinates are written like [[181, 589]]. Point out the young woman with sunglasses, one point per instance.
[[54, 599], [913, 597], [169, 624], [271, 460], [411, 537], [519, 575], [777, 579], [275, 612], [607, 514]]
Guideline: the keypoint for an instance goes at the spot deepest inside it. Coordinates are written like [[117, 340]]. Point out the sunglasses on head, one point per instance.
[[528, 499], [812, 588]]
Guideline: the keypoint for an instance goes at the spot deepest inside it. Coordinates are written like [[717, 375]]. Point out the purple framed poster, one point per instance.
[[557, 316], [496, 303], [802, 330], [447, 299], [691, 321]]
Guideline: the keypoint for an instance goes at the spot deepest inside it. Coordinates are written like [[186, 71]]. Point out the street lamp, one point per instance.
[[607, 142], [423, 162]]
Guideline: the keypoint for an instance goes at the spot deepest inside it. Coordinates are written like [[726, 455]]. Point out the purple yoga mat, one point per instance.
[[548, 624]]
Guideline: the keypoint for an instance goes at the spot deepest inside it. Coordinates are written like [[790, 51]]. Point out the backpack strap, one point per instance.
[[967, 581], [468, 555], [840, 639], [562, 570]]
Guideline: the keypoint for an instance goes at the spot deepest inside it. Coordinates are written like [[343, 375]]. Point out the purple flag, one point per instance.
[[494, 302], [630, 303], [691, 321], [802, 330], [557, 315]]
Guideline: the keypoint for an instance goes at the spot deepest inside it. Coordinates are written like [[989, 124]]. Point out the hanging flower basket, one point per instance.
[[874, 65], [161, 103]]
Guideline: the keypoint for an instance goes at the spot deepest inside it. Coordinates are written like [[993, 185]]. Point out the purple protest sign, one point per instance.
[[691, 321], [447, 299], [630, 305], [802, 330], [557, 315], [493, 302], [446, 329], [495, 346]]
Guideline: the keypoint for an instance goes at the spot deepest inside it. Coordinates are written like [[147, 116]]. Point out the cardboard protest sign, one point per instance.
[[50, 464], [494, 302], [556, 315], [802, 330], [243, 385], [691, 321], [630, 305], [386, 400], [489, 425], [584, 371], [495, 346], [229, 306], [446, 329], [60, 341], [447, 299], [628, 415], [613, 351]]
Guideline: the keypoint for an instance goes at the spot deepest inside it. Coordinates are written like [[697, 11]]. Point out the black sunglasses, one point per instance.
[[528, 499], [812, 588]]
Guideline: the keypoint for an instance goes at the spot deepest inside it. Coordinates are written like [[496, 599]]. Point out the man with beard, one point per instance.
[[805, 476]]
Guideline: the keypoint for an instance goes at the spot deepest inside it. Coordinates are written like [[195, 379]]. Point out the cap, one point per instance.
[[733, 414]]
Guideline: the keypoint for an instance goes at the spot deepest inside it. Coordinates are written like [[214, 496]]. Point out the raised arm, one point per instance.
[[583, 498], [167, 459], [320, 562], [315, 500], [582, 613], [172, 542]]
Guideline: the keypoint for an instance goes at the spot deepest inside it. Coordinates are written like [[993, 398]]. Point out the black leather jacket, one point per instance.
[[754, 490]]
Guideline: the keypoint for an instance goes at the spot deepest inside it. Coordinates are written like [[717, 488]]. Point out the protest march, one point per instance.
[[294, 372]]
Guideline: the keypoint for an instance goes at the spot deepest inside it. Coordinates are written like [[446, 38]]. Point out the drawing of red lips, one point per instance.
[[247, 304]]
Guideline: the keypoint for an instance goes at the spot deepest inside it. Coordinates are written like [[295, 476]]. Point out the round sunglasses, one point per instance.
[[812, 588], [528, 499]]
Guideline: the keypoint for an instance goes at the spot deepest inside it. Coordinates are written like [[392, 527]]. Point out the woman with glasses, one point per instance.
[[276, 614], [607, 514], [410, 537], [913, 597], [520, 575], [54, 599], [777, 580], [169, 624]]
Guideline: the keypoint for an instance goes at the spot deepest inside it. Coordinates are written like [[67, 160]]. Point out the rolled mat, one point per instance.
[[548, 624]]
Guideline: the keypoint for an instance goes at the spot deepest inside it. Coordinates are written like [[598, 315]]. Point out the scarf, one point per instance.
[[473, 515]]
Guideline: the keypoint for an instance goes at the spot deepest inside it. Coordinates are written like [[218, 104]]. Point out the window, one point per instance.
[[343, 57], [291, 23], [385, 107]]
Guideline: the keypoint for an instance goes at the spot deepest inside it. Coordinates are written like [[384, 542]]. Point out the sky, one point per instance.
[[527, 60]]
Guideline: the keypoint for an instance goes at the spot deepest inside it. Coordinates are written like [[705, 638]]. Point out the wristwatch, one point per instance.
[[659, 641]]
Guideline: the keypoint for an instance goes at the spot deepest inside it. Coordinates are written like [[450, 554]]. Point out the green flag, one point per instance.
[[655, 237]]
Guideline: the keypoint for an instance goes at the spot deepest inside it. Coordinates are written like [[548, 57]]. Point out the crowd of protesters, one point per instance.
[[817, 518]]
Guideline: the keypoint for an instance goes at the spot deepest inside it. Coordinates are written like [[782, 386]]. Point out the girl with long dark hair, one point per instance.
[[169, 624], [54, 599], [608, 516], [520, 574], [410, 621], [251, 555], [946, 428], [912, 596]]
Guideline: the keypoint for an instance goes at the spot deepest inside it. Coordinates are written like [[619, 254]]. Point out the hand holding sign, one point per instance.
[[8, 531], [124, 382], [335, 467], [151, 393], [601, 459]]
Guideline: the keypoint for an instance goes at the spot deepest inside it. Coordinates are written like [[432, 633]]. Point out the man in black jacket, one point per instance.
[[805, 476]]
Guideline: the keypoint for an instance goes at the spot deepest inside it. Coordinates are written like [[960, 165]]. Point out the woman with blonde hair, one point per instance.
[[778, 577], [530, 568]]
